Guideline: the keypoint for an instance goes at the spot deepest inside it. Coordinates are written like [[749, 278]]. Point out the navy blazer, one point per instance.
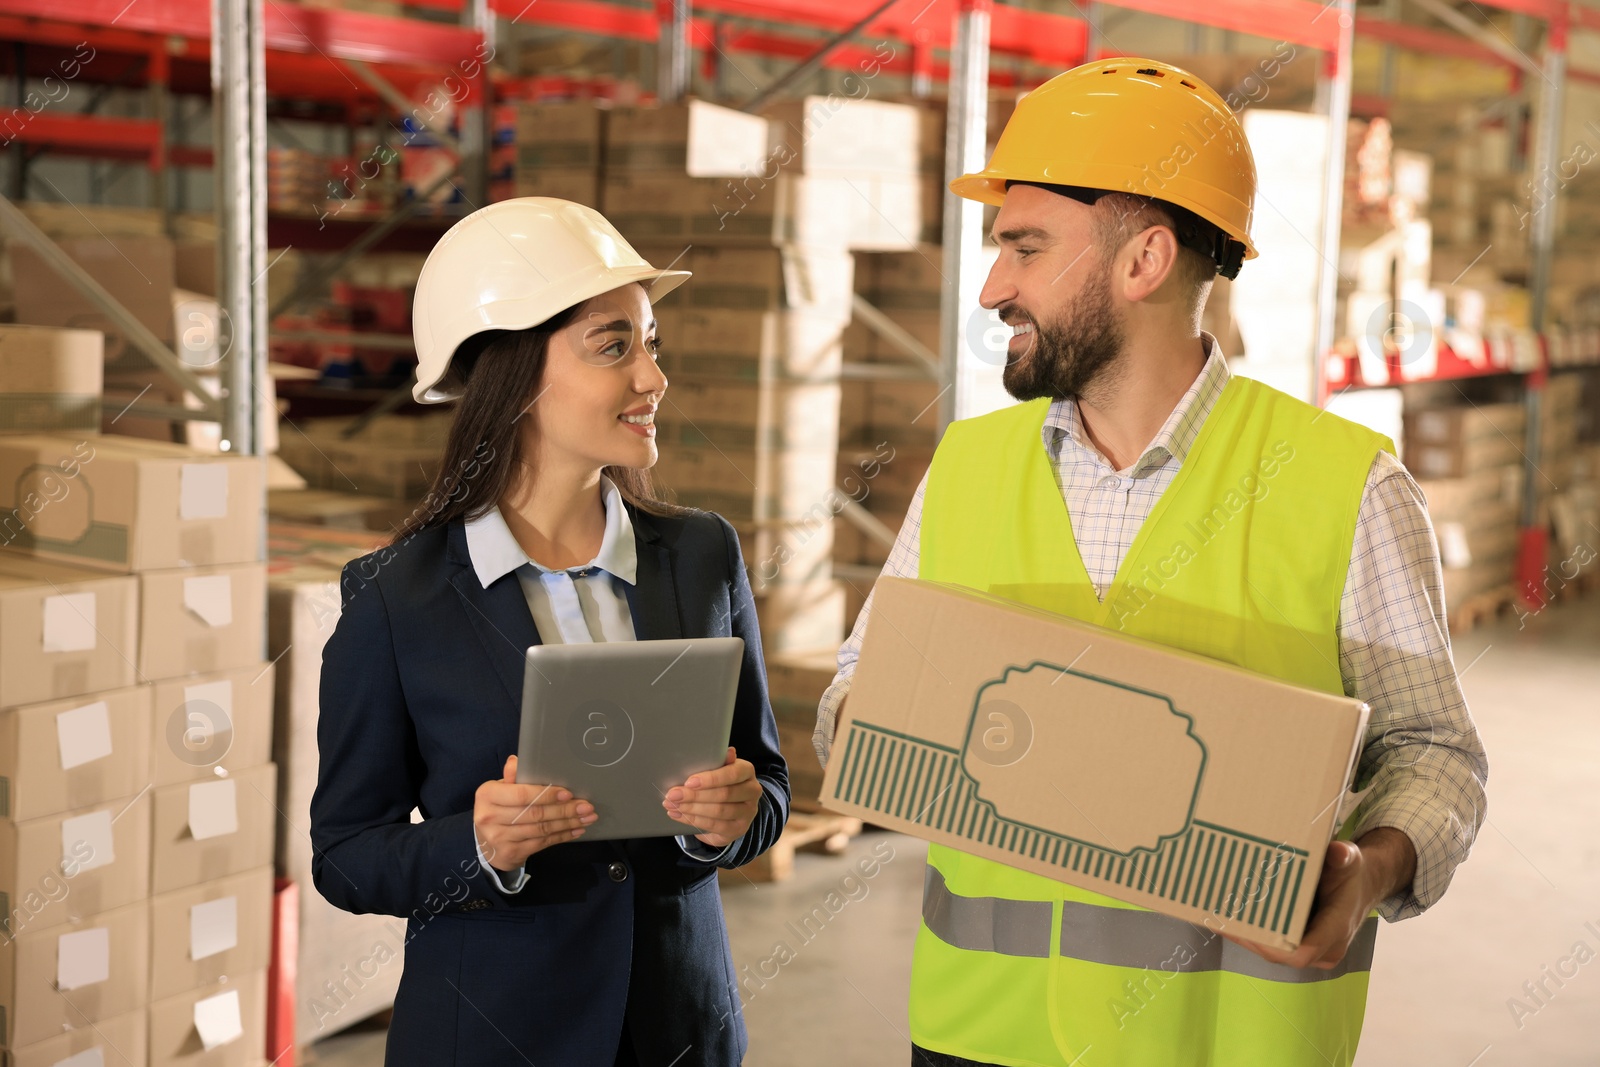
[[420, 704]]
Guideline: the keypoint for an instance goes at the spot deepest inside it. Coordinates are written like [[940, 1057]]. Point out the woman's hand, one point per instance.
[[514, 820], [722, 802]]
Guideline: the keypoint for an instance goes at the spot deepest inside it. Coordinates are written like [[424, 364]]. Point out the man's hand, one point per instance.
[[1355, 878], [722, 802]]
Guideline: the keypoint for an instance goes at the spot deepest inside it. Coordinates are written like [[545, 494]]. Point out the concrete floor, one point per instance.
[[1443, 986]]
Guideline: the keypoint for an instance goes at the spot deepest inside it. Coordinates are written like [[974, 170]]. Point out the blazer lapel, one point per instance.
[[499, 615], [653, 597]]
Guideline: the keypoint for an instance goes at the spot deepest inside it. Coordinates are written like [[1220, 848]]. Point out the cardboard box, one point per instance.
[[50, 379], [90, 969], [137, 271], [329, 507], [693, 138], [795, 684], [64, 631], [56, 868], [744, 414], [648, 206], [120, 1041], [202, 721], [219, 1025], [1458, 426], [202, 831], [787, 277], [122, 504], [869, 212], [801, 615], [359, 954], [834, 135], [1158, 777], [747, 485], [73, 753], [786, 551], [750, 345], [579, 184], [1455, 461], [391, 472], [202, 934], [905, 410], [561, 136], [197, 620]]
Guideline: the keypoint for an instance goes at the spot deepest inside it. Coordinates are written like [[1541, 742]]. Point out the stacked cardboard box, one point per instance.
[[136, 747], [50, 379], [886, 448], [348, 966], [1468, 461], [749, 424], [394, 457], [795, 683]]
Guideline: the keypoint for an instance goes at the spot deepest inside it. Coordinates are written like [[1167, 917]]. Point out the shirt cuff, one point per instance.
[[517, 882], [1436, 833]]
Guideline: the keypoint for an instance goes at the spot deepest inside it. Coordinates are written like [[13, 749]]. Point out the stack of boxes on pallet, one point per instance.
[[1468, 461], [136, 803], [370, 478], [890, 420], [766, 212], [348, 966]]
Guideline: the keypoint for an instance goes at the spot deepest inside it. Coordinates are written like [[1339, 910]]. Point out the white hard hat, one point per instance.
[[512, 265]]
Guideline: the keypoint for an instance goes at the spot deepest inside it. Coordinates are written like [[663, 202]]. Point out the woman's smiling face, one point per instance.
[[596, 400]]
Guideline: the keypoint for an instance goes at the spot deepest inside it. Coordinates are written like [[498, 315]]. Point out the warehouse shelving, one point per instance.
[[308, 53]]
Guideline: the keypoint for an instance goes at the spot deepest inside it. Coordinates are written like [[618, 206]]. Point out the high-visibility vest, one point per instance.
[[1243, 559]]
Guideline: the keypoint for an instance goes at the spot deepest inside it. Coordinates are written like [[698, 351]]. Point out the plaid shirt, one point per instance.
[[1426, 765]]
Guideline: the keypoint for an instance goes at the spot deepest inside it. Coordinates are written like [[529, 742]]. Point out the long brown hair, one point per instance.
[[499, 370]]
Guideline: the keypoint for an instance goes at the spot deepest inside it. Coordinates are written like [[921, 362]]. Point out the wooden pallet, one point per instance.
[[1482, 608], [822, 831]]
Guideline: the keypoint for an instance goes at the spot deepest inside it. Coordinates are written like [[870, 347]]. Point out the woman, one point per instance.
[[525, 943]]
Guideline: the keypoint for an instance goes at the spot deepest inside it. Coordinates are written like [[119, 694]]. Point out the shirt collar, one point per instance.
[[1176, 436], [494, 550]]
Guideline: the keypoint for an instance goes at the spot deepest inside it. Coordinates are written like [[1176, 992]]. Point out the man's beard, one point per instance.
[[1072, 353]]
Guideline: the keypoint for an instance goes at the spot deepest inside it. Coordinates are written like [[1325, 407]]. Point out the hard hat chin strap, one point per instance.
[[1192, 231]]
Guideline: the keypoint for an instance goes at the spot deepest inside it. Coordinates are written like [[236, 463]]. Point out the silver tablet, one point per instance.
[[621, 722]]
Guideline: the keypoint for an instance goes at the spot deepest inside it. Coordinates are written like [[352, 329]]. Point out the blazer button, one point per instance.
[[618, 872]]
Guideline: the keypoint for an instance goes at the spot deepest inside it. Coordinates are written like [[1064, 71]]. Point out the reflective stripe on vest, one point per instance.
[[1115, 937]]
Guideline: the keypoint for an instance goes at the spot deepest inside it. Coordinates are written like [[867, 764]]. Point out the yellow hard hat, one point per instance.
[[1130, 126]]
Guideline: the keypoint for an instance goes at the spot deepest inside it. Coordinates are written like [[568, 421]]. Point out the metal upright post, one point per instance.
[[963, 219], [1532, 555], [672, 60], [476, 132], [1093, 40], [1338, 111], [238, 87]]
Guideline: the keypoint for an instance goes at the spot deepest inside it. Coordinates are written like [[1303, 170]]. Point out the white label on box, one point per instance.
[[218, 1020], [218, 693], [84, 734], [213, 927], [202, 722], [86, 842], [69, 622], [83, 958], [210, 596], [89, 1057], [203, 493], [1453, 548], [213, 809]]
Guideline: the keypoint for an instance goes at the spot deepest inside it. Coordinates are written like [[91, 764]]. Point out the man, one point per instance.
[[1124, 187]]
